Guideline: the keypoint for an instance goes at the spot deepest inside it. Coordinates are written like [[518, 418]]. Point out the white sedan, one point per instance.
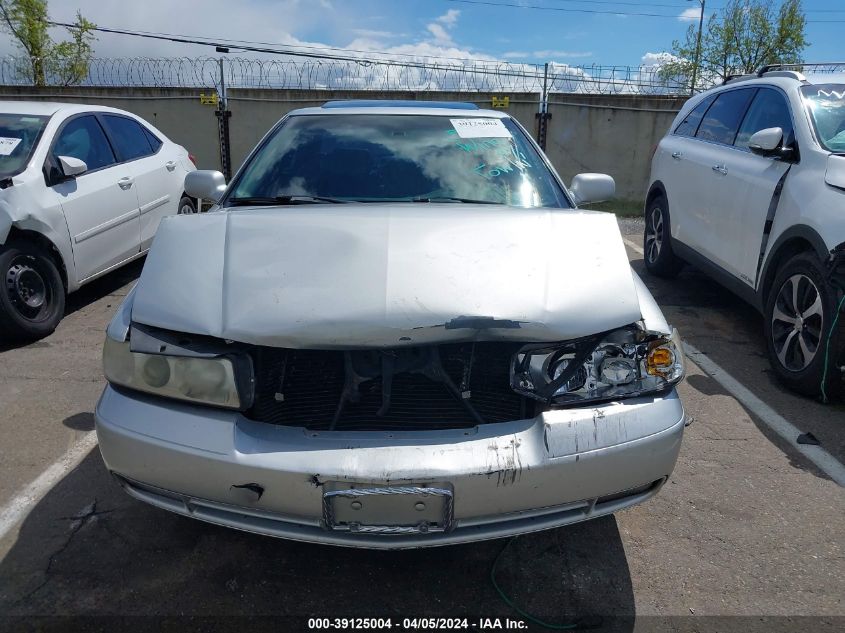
[[82, 191]]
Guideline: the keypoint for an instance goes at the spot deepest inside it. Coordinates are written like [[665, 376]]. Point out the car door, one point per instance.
[[100, 206], [678, 173], [156, 175], [749, 186], [709, 228]]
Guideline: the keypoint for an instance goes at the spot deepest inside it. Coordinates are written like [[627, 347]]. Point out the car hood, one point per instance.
[[379, 275]]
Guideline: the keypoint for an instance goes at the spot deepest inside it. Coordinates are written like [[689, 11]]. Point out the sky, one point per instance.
[[444, 28]]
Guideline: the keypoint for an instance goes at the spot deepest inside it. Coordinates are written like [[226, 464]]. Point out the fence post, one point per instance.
[[223, 115], [543, 115]]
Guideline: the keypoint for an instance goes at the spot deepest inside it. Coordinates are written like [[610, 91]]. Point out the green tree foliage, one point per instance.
[[742, 37], [65, 63]]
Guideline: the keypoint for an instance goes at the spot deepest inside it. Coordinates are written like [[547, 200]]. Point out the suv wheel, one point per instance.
[[799, 312], [187, 206], [32, 295], [657, 246]]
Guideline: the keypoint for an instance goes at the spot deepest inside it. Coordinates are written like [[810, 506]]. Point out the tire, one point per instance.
[[657, 245], [32, 295], [187, 206], [797, 336]]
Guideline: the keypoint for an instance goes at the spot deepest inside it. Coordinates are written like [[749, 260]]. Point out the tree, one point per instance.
[[746, 35], [66, 62]]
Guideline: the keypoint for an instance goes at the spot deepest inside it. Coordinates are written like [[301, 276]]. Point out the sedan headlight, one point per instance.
[[205, 380], [624, 363]]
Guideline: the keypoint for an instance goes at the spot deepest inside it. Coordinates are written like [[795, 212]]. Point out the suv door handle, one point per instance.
[[171, 165], [720, 169], [677, 155], [125, 182]]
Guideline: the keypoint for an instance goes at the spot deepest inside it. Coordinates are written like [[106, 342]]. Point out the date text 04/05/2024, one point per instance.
[[417, 624]]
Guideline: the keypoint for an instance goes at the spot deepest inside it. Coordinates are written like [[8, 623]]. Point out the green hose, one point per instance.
[[827, 347], [510, 603]]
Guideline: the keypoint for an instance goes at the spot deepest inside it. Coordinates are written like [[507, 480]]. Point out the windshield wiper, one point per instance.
[[281, 200], [451, 199]]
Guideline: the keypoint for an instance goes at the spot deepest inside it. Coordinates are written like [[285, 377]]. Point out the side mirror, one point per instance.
[[206, 184], [592, 188], [72, 167], [766, 142]]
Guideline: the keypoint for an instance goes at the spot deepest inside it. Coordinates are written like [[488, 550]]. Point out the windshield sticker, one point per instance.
[[480, 128], [8, 145]]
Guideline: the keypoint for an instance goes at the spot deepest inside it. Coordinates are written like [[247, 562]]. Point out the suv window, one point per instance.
[[83, 138], [721, 122], [128, 136], [689, 125], [826, 104], [769, 109]]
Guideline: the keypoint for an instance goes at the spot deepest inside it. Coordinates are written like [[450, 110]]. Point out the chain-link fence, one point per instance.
[[333, 74]]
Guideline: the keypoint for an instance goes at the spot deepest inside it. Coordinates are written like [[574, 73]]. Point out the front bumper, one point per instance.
[[561, 467]]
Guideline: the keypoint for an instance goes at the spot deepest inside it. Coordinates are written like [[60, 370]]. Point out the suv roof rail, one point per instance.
[[800, 67], [397, 103], [735, 78]]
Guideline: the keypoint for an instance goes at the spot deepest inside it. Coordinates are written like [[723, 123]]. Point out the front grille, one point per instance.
[[306, 388]]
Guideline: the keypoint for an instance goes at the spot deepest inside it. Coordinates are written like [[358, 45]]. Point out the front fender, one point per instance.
[[50, 224]]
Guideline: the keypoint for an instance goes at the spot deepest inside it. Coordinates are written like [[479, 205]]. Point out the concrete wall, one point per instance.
[[613, 134]]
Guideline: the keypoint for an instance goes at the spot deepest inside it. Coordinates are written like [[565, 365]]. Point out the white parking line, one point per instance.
[[16, 509], [771, 418]]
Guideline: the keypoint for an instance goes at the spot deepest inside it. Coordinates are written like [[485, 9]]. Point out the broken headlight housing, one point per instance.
[[624, 363], [211, 380]]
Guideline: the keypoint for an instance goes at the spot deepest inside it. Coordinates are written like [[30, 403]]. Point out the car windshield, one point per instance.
[[826, 103], [19, 134], [397, 158]]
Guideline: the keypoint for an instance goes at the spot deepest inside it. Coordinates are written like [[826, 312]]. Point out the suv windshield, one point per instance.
[[397, 158], [826, 103], [19, 134]]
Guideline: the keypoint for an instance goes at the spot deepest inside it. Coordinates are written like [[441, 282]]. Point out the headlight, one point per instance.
[[203, 380], [622, 364]]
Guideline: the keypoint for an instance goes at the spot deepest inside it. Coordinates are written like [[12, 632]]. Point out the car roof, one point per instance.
[[388, 106], [399, 103], [49, 108]]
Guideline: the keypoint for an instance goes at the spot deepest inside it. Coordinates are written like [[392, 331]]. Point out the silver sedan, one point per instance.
[[395, 330]]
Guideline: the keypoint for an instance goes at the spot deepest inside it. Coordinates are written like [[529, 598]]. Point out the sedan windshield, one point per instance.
[[397, 158], [19, 134], [826, 103]]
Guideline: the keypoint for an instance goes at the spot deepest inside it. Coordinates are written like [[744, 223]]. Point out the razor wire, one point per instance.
[[365, 74]]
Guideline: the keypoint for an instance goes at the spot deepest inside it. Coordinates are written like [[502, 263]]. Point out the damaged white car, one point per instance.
[[396, 331]]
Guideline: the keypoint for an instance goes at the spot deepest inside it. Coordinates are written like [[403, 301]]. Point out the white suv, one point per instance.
[[82, 190], [749, 186]]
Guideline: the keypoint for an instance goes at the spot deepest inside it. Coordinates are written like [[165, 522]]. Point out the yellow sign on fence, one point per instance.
[[501, 102], [209, 99]]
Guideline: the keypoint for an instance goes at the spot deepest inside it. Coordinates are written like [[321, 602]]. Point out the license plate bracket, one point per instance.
[[410, 509]]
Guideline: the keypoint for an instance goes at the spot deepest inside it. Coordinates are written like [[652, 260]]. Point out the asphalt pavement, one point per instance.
[[747, 534]]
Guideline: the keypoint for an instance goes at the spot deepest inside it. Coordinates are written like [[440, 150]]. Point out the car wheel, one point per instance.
[[800, 309], [32, 295], [657, 246], [187, 206]]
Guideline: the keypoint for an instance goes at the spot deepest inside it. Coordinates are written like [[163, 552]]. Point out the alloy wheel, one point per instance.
[[654, 234], [797, 322]]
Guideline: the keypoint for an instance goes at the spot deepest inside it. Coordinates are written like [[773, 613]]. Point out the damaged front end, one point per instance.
[[426, 387]]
